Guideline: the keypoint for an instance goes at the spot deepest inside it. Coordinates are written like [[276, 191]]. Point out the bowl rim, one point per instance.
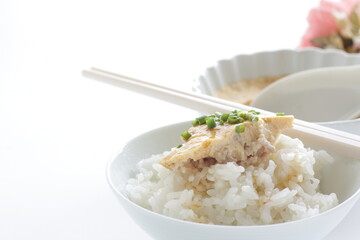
[[279, 50], [278, 225]]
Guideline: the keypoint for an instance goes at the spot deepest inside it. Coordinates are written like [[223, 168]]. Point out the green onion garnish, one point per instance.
[[254, 112], [186, 135], [240, 128], [218, 118], [224, 117], [254, 118], [179, 146], [201, 120], [210, 122], [243, 115], [280, 114], [233, 119]]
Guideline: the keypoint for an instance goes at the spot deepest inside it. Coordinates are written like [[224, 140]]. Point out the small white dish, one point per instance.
[[269, 64], [341, 177], [318, 95]]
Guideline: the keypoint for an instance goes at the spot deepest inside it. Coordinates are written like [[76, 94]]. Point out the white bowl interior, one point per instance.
[[341, 177]]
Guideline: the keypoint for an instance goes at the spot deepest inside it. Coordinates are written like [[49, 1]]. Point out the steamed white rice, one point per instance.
[[283, 188]]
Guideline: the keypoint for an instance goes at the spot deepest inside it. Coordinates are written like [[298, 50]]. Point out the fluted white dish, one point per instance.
[[271, 63], [341, 177]]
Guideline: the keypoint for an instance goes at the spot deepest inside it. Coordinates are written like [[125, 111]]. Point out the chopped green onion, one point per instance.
[[201, 120], [218, 118], [243, 115], [254, 112], [186, 135], [241, 119], [280, 114], [240, 128], [179, 146], [210, 122], [233, 119], [224, 117], [254, 118]]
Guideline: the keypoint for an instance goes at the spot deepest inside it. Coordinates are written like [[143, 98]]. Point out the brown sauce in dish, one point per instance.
[[245, 91]]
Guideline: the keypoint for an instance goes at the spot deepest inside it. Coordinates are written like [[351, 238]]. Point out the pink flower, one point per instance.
[[322, 20]]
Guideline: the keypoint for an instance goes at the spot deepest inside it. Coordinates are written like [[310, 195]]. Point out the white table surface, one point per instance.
[[59, 129]]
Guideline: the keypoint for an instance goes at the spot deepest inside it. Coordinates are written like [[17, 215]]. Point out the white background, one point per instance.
[[58, 129]]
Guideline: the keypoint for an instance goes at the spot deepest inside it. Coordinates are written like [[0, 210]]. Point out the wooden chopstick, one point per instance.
[[313, 134]]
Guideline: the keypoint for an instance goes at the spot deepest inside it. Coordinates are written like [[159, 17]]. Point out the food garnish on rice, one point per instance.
[[241, 137]]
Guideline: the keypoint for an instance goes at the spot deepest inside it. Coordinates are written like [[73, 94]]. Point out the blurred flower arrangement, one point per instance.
[[334, 24]]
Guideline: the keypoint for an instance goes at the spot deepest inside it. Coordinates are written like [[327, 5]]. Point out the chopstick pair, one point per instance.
[[313, 134]]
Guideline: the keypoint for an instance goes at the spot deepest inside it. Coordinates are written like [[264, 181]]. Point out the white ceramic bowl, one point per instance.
[[270, 64], [316, 95], [342, 178]]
